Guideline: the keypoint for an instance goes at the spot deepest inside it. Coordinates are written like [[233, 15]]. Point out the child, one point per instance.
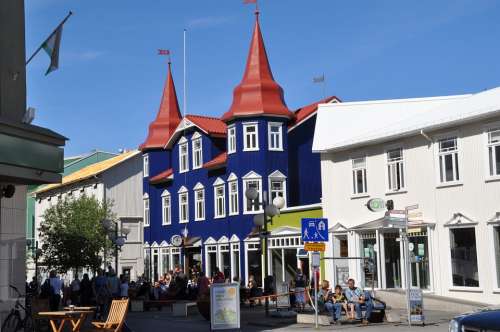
[[339, 300]]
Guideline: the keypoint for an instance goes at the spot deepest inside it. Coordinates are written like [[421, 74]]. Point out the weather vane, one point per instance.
[[165, 52]]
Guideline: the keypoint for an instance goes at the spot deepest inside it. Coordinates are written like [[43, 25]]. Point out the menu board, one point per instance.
[[224, 306]]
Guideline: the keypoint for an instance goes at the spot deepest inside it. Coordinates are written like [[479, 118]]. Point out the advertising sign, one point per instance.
[[314, 230], [314, 246], [283, 300], [224, 306], [376, 204], [416, 305]]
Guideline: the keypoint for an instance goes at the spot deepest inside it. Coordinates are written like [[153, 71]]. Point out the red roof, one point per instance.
[[162, 177], [217, 162], [167, 119], [212, 126], [258, 93], [304, 112]]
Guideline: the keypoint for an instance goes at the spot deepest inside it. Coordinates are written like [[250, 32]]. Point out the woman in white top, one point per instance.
[[123, 286], [56, 285]]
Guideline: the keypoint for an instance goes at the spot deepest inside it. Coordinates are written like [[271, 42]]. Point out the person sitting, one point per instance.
[[355, 300], [335, 302]]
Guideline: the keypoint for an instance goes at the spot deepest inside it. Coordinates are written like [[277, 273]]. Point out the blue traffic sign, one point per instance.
[[314, 229]]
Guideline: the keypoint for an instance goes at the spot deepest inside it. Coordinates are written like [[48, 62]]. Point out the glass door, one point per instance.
[[392, 260], [419, 258]]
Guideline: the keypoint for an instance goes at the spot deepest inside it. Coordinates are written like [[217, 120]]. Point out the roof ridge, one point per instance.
[[204, 116]]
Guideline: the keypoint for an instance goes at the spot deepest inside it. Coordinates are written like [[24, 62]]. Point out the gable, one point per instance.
[[460, 220]]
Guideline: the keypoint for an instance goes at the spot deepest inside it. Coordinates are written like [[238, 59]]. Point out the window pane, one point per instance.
[[448, 167], [497, 253], [464, 257], [494, 136], [497, 160], [359, 180]]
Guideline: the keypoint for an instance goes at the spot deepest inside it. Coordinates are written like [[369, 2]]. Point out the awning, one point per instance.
[[383, 224], [194, 241]]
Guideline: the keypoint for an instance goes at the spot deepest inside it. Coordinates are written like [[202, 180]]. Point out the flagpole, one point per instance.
[[53, 32], [324, 86], [184, 69]]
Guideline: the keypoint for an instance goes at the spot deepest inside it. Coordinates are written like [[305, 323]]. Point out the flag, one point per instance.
[[163, 52], [246, 2], [319, 79], [51, 46]]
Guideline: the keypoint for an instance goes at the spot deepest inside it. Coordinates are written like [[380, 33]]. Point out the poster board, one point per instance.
[[416, 305], [282, 301], [225, 307]]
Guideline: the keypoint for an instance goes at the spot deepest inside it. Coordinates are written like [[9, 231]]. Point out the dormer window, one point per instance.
[[183, 156], [231, 139], [251, 136], [197, 151], [275, 136]]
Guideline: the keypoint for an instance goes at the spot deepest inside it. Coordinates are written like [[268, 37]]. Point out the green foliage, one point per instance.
[[73, 236]]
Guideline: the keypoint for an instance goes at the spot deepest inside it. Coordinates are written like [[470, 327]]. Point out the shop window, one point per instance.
[[464, 257]]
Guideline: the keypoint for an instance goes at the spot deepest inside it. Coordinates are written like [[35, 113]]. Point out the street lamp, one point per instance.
[[117, 236], [270, 210]]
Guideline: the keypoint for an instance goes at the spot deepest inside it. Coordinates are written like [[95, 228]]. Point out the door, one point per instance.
[[419, 258], [392, 260]]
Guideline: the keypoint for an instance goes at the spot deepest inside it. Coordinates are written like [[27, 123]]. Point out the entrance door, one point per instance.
[[193, 261], [392, 261], [419, 256]]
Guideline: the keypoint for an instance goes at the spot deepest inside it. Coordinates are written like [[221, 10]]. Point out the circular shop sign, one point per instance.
[[176, 240], [376, 204]]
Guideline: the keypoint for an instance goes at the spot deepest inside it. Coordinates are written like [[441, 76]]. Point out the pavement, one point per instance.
[[254, 319]]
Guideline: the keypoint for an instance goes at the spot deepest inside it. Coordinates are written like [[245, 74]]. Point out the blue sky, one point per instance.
[[110, 80]]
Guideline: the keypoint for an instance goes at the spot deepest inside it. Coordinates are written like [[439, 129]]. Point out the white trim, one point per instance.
[[486, 129], [278, 177], [197, 190], [493, 251], [334, 100], [182, 140], [164, 244], [145, 165], [165, 195], [302, 207], [457, 219], [403, 174], [232, 177], [219, 185], [183, 143], [252, 176], [280, 136], [195, 135], [223, 239], [436, 146], [210, 240], [146, 211], [198, 186], [180, 194], [233, 180], [145, 196], [256, 133], [234, 238], [182, 190], [218, 182], [193, 152], [229, 150], [154, 244]]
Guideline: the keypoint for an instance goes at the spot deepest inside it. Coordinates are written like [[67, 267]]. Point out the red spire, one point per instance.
[[258, 93], [167, 119]]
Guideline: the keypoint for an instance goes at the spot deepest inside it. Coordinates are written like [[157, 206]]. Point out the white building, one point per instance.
[[118, 179], [442, 153]]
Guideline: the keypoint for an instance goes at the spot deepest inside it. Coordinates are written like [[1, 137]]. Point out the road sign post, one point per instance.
[[315, 264]]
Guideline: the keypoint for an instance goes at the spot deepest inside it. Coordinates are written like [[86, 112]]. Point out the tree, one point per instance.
[[72, 235]]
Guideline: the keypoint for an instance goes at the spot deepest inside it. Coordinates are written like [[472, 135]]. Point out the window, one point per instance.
[[146, 210], [220, 201], [448, 160], [494, 151], [231, 139], [251, 137], [199, 204], [464, 257], [496, 232], [252, 180], [145, 165], [277, 186], [183, 206], [359, 185], [197, 153], [395, 169], [233, 197], [274, 136], [183, 157], [166, 205]]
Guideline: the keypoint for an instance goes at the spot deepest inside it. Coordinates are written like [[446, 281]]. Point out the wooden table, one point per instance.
[[58, 319]]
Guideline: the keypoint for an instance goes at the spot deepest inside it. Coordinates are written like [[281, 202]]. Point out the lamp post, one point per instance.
[[116, 235], [268, 210]]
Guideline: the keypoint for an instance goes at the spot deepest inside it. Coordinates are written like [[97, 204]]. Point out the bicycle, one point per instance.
[[14, 321]]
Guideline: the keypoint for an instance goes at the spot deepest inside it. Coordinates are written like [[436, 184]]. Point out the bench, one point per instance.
[[159, 304], [180, 309]]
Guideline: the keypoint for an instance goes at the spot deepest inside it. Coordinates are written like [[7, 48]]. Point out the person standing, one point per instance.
[[56, 285], [123, 286], [75, 291], [113, 284], [300, 289], [102, 294], [85, 290]]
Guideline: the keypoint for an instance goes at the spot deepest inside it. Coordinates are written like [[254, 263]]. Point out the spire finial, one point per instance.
[[165, 52]]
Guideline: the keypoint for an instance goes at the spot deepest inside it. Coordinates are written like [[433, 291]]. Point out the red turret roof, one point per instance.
[[258, 93], [167, 119]]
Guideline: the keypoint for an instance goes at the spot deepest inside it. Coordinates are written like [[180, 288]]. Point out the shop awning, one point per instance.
[[194, 241], [383, 224]]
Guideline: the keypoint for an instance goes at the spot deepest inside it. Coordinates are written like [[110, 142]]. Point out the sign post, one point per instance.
[[225, 307], [315, 264]]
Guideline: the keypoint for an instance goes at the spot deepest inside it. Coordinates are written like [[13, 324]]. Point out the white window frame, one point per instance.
[[219, 184], [278, 136], [277, 176], [183, 192], [145, 165], [197, 152], [199, 188], [166, 209], [247, 125], [491, 173], [392, 166], [183, 143], [252, 177], [233, 195], [452, 287], [456, 158], [146, 210], [231, 139], [354, 170]]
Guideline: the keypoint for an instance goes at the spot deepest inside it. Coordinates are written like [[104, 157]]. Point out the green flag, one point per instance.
[[51, 46]]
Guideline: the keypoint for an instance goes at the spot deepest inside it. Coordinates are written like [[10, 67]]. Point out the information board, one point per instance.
[[283, 298], [224, 306], [416, 305]]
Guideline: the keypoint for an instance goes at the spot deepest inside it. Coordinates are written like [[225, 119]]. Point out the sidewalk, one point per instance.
[[253, 319]]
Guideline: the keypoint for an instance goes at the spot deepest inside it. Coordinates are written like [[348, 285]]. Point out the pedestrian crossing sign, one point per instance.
[[314, 230]]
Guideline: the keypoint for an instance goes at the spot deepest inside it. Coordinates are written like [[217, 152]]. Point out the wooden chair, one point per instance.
[[116, 317]]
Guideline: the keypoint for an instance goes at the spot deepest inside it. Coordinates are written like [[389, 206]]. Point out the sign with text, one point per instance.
[[225, 306], [314, 246], [314, 229], [416, 305]]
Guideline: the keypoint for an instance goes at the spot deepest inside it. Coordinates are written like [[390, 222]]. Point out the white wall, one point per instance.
[[476, 198]]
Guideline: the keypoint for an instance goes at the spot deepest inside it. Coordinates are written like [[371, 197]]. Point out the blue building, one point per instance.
[[197, 168]]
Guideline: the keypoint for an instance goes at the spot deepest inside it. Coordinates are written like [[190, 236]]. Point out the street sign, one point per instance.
[[314, 229], [375, 204], [411, 207], [315, 259], [314, 246]]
